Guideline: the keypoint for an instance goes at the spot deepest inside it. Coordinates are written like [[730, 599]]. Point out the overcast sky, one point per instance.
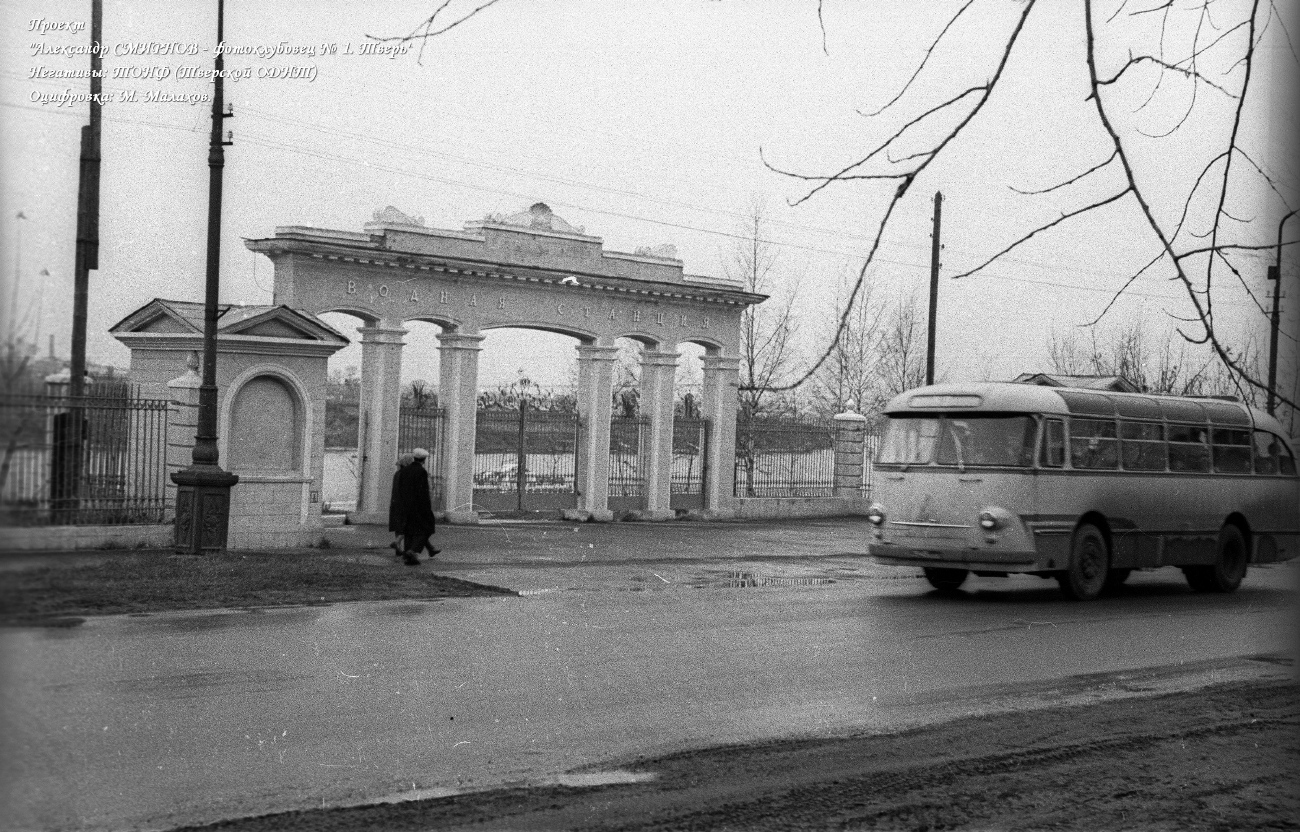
[[641, 122]]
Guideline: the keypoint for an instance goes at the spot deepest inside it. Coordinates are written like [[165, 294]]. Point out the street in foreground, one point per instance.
[[1226, 757]]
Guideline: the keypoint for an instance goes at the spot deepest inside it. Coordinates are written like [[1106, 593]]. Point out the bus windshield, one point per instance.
[[969, 439]]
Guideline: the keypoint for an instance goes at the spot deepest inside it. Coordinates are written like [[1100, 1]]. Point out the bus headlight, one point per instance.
[[876, 514], [993, 518]]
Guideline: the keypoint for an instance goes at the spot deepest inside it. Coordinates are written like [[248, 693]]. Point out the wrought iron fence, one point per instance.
[[627, 437], [785, 457], [91, 460], [421, 427]]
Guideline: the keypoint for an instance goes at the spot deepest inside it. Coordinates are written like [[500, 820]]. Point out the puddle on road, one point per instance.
[[740, 579]]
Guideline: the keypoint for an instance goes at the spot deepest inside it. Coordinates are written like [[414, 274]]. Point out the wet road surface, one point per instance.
[[156, 721]]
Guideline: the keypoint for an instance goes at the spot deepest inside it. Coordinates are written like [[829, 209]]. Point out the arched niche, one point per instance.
[[266, 425]]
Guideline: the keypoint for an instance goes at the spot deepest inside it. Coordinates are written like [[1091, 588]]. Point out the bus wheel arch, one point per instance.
[[1090, 552], [1232, 556]]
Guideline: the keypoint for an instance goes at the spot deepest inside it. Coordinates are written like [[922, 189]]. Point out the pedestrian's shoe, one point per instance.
[[411, 560]]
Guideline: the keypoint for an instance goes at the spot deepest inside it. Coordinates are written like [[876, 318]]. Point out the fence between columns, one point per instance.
[[775, 456], [780, 456]]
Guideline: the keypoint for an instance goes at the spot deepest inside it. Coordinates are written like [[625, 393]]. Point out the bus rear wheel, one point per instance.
[[945, 580], [1089, 565], [1229, 565]]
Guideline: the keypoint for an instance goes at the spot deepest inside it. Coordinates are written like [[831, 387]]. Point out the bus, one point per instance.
[[1080, 485]]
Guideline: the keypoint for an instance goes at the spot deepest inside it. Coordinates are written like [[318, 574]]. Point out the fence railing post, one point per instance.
[[850, 433]]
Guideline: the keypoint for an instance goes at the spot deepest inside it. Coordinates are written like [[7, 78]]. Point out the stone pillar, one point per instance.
[[458, 396], [657, 372], [719, 401], [182, 426], [850, 433], [595, 406], [381, 399]]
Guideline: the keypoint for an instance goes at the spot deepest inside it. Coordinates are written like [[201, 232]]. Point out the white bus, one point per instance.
[[1081, 485]]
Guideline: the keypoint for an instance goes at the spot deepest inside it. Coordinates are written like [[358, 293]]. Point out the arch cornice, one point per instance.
[[353, 252]]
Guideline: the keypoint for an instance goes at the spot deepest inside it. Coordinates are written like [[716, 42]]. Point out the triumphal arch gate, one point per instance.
[[528, 270]]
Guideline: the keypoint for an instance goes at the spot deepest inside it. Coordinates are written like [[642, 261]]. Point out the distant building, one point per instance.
[[1115, 384]]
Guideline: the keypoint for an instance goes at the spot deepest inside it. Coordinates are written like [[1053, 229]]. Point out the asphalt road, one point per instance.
[[158, 721]]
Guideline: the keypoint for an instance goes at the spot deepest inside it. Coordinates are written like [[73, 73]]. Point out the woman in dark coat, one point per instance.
[[397, 518], [412, 510]]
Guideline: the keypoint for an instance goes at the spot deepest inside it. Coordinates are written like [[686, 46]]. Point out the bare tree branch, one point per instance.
[[1068, 215], [928, 52], [1186, 73], [1070, 181], [425, 30]]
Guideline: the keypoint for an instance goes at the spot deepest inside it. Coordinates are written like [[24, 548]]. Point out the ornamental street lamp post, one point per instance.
[[203, 492]]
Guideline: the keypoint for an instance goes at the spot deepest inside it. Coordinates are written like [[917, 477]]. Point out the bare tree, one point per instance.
[[421, 394], [1204, 56], [850, 375], [1165, 367], [767, 351], [902, 352]]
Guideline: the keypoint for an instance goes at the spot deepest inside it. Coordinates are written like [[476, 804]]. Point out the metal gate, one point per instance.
[[690, 463], [526, 460], [421, 427]]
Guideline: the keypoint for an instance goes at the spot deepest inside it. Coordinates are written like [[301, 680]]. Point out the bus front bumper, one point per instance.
[[999, 560]]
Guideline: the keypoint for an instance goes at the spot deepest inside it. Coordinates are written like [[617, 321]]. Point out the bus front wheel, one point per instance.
[[1229, 566], [945, 580], [1089, 565]]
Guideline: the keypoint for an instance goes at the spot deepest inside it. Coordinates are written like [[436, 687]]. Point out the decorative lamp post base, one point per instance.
[[202, 508]]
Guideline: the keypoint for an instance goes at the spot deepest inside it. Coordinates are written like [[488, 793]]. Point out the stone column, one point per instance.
[[657, 372], [850, 433], [182, 425], [595, 406], [721, 381], [458, 397], [381, 399]]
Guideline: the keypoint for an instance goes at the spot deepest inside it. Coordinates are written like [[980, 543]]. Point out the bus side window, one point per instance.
[[1231, 451], [1053, 451], [1271, 455], [1188, 448], [1266, 453], [1094, 444]]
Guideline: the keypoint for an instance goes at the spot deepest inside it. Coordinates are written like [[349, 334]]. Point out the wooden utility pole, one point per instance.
[[1275, 275], [934, 290], [87, 257], [70, 427]]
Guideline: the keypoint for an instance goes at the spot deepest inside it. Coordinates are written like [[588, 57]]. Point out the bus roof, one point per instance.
[[1014, 397]]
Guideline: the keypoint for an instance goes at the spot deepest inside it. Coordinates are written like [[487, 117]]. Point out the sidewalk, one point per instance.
[[524, 554]]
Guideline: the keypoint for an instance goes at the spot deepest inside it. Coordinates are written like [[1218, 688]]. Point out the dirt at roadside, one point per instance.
[[1222, 758]]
